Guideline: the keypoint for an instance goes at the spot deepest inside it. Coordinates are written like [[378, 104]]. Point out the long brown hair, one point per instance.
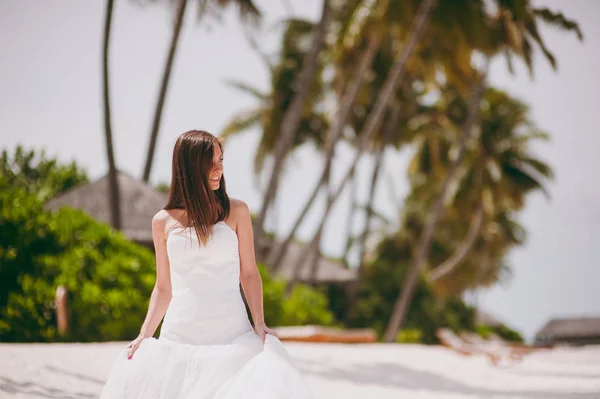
[[190, 189]]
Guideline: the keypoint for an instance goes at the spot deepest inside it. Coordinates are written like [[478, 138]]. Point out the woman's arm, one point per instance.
[[161, 294], [249, 276]]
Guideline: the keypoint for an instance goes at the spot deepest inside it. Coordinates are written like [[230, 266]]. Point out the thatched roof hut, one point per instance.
[[328, 271], [139, 203], [573, 331]]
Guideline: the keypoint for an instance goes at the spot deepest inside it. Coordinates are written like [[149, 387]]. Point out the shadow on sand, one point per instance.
[[34, 389], [393, 375]]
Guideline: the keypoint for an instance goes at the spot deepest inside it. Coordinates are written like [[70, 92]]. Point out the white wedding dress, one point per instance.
[[207, 348]]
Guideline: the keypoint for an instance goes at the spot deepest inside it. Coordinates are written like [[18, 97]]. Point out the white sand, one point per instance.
[[375, 371]]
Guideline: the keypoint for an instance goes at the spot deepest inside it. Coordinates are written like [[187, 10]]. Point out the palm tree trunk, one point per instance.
[[315, 255], [481, 271], [291, 119], [113, 183], [350, 219], [333, 137], [373, 121], [462, 251], [312, 248], [370, 204], [389, 130], [332, 197], [181, 7], [424, 244]]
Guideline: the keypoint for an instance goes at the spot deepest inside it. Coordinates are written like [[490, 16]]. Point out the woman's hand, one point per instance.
[[134, 345], [262, 330]]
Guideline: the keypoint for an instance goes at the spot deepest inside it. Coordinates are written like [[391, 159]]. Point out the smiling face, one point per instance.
[[197, 182], [216, 172]]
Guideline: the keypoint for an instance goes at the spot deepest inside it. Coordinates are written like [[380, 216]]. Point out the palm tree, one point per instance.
[[485, 263], [426, 237], [351, 24], [389, 130], [371, 126], [291, 119], [361, 241], [160, 103], [499, 170], [113, 183], [247, 9], [497, 173], [354, 20], [271, 107], [523, 18], [425, 64]]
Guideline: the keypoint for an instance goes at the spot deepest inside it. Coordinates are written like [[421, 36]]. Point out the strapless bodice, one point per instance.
[[207, 305]]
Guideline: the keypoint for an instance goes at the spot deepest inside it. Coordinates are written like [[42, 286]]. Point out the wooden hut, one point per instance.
[[139, 203], [329, 271], [570, 331]]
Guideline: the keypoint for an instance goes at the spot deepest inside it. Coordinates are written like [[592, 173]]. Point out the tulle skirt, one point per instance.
[[243, 368]]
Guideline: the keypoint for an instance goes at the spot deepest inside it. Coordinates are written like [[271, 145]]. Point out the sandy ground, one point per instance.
[[69, 371]]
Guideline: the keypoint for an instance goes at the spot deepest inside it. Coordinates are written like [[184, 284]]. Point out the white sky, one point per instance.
[[50, 97]]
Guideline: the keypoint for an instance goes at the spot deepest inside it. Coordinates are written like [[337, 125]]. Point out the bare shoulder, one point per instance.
[[239, 207], [161, 217], [240, 212], [160, 221]]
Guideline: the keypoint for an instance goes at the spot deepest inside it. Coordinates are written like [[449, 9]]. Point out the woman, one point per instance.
[[204, 250]]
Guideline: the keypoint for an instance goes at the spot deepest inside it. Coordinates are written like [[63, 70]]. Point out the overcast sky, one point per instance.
[[50, 97]]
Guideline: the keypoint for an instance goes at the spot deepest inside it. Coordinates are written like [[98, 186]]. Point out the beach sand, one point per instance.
[[373, 371]]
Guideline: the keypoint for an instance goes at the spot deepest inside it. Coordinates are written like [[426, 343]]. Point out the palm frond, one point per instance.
[[262, 152], [248, 10], [528, 56], [558, 19], [377, 214], [509, 62], [241, 122], [246, 88], [542, 168], [353, 18], [522, 180], [532, 29], [534, 135]]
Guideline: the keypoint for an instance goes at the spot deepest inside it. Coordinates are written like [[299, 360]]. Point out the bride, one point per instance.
[[204, 249]]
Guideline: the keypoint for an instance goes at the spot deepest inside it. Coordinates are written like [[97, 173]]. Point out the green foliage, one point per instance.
[[410, 336], [382, 279], [337, 299], [24, 235], [484, 331], [305, 305], [108, 278], [163, 187], [508, 334], [273, 294], [37, 174], [503, 332]]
